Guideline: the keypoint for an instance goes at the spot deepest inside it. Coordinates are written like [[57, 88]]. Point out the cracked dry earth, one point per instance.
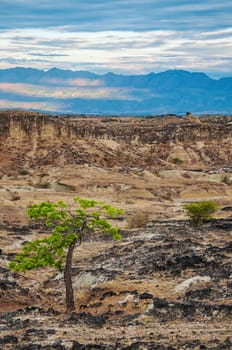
[[165, 286]]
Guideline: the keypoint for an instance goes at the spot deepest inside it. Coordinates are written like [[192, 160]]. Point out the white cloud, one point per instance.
[[126, 36], [121, 51], [46, 106], [81, 88]]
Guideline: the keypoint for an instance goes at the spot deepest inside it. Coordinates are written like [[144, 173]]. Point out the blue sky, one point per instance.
[[129, 37]]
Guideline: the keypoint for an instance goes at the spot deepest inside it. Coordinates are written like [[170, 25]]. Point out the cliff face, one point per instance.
[[36, 139], [28, 126]]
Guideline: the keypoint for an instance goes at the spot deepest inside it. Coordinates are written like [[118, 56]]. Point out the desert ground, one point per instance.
[[164, 285]]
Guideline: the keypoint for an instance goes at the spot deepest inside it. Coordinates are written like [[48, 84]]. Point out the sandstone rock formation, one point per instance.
[[129, 161]]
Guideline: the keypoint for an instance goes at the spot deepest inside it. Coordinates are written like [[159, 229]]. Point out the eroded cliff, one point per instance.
[[35, 139]]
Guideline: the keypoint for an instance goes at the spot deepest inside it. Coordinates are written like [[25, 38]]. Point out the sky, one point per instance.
[[128, 37]]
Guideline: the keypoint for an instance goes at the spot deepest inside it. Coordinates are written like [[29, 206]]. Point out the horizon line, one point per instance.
[[112, 72]]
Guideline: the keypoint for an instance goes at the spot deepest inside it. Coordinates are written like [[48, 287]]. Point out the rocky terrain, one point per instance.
[[165, 285]]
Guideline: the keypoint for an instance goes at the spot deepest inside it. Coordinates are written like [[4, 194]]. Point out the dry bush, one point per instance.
[[43, 185], [177, 161], [227, 180], [14, 196], [186, 175], [24, 172], [139, 219], [168, 196]]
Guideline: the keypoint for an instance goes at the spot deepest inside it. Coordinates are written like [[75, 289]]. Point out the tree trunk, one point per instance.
[[70, 305]]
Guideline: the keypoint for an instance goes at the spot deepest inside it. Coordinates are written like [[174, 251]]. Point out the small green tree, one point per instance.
[[200, 212], [67, 228]]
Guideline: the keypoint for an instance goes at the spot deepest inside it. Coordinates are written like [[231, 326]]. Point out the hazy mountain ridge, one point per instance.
[[173, 91]]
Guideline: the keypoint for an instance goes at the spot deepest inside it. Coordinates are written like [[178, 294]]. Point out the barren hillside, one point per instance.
[[165, 285], [153, 164]]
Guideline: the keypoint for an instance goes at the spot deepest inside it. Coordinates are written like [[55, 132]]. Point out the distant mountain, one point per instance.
[[66, 91]]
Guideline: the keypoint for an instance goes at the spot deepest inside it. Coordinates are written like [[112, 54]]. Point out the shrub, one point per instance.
[[200, 212], [139, 219], [24, 172], [43, 185], [15, 196], [177, 160], [227, 180]]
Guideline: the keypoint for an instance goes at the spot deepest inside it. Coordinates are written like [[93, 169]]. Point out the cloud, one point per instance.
[[126, 36], [43, 106], [84, 82], [101, 15], [73, 82], [120, 51], [66, 92], [38, 54]]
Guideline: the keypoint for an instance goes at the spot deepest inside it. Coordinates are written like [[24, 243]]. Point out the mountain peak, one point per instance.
[[171, 91]]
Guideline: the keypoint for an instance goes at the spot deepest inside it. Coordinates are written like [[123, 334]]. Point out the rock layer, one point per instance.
[[149, 142]]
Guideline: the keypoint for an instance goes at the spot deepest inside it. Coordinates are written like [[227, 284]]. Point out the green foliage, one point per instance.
[[200, 212], [40, 253], [67, 226]]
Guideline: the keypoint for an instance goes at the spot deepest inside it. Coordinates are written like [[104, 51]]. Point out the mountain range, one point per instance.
[[83, 92]]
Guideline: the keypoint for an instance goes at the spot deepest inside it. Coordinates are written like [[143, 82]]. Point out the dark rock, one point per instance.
[[146, 296], [128, 318], [30, 347], [57, 345], [108, 294], [227, 208], [9, 339], [119, 312], [87, 318], [160, 303], [40, 310], [187, 261], [5, 284], [38, 333], [78, 346], [3, 270], [188, 309], [227, 226], [147, 346], [199, 293], [227, 344], [19, 324], [22, 230], [33, 332]]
